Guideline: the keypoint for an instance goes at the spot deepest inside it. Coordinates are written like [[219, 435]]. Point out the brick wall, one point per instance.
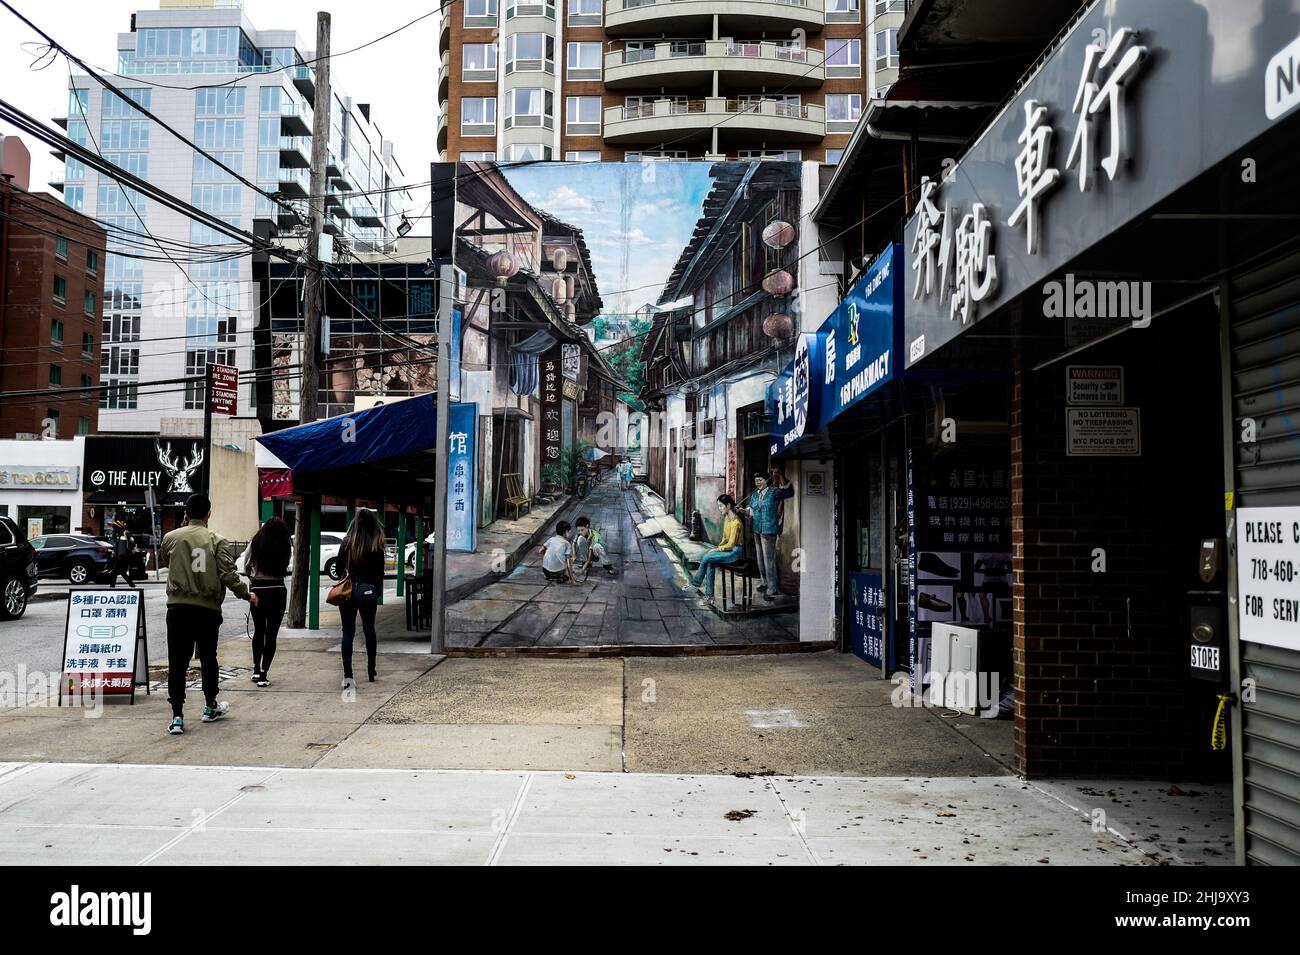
[[1101, 658]]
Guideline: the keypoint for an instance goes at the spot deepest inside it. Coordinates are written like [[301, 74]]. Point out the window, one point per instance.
[[124, 134], [843, 58], [582, 115], [205, 170], [843, 107], [843, 11], [115, 105], [480, 13], [584, 61], [479, 62], [530, 53], [530, 8], [88, 304], [220, 133], [583, 156], [527, 152], [56, 375], [655, 155], [584, 12], [88, 343], [781, 155], [478, 157], [119, 395], [834, 157], [268, 99], [87, 383], [92, 261], [83, 425], [217, 198], [889, 6], [268, 133], [887, 50], [56, 332], [478, 116], [530, 107], [60, 290], [121, 328], [119, 361], [219, 101], [61, 248]]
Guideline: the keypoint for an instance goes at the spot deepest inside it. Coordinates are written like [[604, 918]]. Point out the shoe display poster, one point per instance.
[[963, 539]]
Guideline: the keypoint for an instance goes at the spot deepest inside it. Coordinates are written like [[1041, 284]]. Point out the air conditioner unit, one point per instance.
[[955, 670]]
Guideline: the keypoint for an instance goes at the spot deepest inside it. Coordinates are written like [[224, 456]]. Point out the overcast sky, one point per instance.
[[396, 75]]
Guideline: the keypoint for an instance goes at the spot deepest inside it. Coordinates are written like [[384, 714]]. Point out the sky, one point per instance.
[[397, 76], [636, 218]]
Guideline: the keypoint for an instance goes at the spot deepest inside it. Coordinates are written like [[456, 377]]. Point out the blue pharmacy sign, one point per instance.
[[794, 399], [462, 444], [867, 617], [861, 335]]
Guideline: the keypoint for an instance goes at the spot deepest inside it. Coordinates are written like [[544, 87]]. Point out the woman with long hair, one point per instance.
[[728, 550], [361, 556], [266, 563]]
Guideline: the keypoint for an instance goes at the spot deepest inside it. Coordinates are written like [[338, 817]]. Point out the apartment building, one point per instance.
[[51, 299], [618, 80], [246, 96]]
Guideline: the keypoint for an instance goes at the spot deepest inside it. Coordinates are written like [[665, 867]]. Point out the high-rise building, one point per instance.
[[247, 97], [660, 79]]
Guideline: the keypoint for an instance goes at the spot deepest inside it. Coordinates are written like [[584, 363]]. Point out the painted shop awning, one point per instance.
[[364, 437]]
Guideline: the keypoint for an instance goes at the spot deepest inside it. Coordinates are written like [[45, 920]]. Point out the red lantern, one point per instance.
[[502, 265], [779, 282], [778, 234], [778, 325]]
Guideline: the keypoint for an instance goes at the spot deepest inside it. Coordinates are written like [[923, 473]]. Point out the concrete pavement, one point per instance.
[[173, 815]]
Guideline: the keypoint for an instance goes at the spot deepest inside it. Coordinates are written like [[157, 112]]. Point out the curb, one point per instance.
[[464, 589]]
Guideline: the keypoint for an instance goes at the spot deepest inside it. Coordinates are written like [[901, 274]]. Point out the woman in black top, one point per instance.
[[362, 557], [266, 562]]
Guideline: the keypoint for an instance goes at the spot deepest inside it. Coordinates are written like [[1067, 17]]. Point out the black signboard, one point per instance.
[[119, 470]]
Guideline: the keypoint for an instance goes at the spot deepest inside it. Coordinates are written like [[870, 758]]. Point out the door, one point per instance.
[[671, 499], [507, 458]]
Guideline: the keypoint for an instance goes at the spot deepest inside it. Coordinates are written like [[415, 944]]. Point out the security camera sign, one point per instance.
[[99, 644]]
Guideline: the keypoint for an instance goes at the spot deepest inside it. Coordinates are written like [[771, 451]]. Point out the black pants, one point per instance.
[[188, 628], [120, 565], [267, 616], [363, 602]]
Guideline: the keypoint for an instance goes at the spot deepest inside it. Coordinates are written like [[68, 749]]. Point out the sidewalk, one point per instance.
[[95, 815]]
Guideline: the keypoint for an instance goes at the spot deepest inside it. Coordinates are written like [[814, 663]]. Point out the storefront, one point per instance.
[[1137, 266], [40, 485], [123, 476]]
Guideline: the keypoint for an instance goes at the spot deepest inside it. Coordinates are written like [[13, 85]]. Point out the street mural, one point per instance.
[[620, 325]]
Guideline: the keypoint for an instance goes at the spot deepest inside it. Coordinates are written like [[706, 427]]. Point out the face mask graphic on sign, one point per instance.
[[101, 631]]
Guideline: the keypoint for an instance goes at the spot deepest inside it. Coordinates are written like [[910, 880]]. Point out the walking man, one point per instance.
[[121, 558], [199, 569]]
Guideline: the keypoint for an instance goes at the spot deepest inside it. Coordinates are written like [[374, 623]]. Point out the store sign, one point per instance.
[[224, 398], [1099, 135], [1103, 432], [1268, 575], [21, 477], [117, 470], [552, 426], [1094, 385], [462, 442], [100, 639], [571, 356], [867, 617]]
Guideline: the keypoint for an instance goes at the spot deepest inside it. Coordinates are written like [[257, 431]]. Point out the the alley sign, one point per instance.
[[1132, 104]]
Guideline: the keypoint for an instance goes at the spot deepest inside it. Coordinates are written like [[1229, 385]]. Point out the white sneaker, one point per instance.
[[213, 713], [349, 683]]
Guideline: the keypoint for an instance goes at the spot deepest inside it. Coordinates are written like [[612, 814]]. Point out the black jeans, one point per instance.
[[267, 616], [119, 565], [363, 602], [190, 627]]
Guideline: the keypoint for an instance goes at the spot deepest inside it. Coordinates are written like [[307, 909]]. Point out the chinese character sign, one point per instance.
[[462, 443], [99, 644], [552, 402], [867, 617]]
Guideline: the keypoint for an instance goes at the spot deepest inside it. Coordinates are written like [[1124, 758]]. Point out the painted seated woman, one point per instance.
[[728, 550]]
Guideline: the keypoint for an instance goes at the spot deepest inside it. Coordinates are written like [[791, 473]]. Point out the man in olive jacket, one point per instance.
[[199, 569]]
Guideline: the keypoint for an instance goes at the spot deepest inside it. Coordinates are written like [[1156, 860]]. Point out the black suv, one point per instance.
[[75, 556], [17, 570]]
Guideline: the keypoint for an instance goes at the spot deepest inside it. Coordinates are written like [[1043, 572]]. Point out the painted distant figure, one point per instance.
[[766, 511]]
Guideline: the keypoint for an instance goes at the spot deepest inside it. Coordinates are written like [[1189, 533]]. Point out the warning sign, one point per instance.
[[1268, 575], [1094, 385], [1103, 432]]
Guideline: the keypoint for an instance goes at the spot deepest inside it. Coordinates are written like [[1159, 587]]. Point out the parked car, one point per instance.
[[75, 557], [329, 554], [17, 570], [410, 550]]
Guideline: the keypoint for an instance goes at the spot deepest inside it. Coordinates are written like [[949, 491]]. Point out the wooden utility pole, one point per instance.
[[305, 583]]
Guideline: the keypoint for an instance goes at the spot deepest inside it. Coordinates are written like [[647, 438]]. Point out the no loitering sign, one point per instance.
[[1103, 432]]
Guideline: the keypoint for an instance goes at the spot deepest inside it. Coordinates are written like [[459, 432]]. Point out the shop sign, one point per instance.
[[1094, 384], [117, 470], [867, 617], [103, 630], [462, 440], [1098, 136], [22, 477], [551, 443], [1268, 575], [1103, 432], [572, 358]]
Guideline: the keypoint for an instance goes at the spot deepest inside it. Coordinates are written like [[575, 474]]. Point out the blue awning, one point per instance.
[[363, 437]]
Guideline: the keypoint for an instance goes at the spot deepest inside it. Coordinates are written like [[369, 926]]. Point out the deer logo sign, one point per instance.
[[179, 473]]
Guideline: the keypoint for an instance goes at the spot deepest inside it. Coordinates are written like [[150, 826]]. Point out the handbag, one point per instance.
[[340, 593]]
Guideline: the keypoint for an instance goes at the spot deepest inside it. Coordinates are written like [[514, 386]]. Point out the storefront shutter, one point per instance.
[[1265, 334]]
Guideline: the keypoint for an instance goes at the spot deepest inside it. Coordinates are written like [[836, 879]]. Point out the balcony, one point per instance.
[[693, 121], [687, 17], [295, 182], [56, 182], [60, 120], [304, 79], [444, 75], [365, 214], [295, 119], [686, 64], [295, 151]]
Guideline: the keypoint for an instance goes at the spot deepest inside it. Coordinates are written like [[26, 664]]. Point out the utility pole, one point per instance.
[[306, 530]]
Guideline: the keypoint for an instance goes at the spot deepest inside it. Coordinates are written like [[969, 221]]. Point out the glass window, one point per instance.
[[89, 303], [268, 100], [583, 156], [530, 107], [582, 111], [478, 157], [61, 248], [114, 105], [889, 6], [527, 152], [834, 157], [56, 331], [479, 58], [585, 58], [56, 374], [478, 111], [78, 102], [584, 8], [219, 101], [83, 425], [205, 170], [843, 11], [88, 343], [60, 289], [92, 261], [886, 49], [846, 53], [480, 8], [843, 107], [530, 52], [220, 133], [124, 134]]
